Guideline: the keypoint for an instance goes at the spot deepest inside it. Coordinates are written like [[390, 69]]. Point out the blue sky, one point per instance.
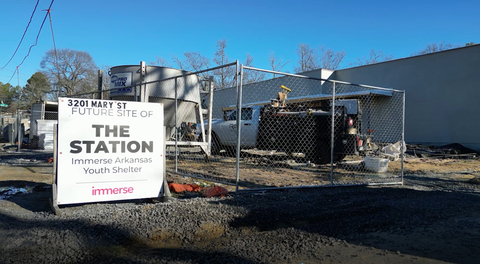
[[126, 32]]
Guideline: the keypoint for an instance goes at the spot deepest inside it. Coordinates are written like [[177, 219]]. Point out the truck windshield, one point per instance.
[[246, 114]]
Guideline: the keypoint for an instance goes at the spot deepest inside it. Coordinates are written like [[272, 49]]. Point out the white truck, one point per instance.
[[293, 129], [224, 131]]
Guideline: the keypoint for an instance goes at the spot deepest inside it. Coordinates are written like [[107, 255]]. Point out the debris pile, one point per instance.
[[195, 188], [452, 151]]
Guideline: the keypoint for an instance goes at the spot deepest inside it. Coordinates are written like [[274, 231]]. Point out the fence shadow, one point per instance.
[[354, 213]]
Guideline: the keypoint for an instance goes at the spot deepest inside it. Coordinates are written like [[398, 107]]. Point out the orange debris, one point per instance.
[[216, 191], [179, 188]]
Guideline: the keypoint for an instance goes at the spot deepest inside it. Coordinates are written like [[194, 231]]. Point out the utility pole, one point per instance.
[[51, 28]]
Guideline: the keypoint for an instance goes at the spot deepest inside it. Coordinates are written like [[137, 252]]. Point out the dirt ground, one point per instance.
[[453, 169], [451, 237], [255, 174]]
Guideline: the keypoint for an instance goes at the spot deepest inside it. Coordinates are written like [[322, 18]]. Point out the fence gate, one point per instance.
[[314, 132]]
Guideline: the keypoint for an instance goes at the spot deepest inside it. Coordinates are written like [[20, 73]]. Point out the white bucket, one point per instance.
[[376, 164]]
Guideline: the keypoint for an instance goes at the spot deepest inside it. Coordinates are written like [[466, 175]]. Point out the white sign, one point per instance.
[[109, 150]]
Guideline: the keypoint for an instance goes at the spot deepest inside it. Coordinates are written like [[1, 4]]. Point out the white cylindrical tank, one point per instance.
[[160, 90]]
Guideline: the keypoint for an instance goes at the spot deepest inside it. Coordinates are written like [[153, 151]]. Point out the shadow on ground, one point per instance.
[[393, 219], [86, 243]]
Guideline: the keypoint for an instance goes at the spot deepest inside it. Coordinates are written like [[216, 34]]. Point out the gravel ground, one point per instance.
[[432, 218]]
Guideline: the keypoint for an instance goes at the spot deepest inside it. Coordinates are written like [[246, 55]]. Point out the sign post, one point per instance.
[[109, 150]]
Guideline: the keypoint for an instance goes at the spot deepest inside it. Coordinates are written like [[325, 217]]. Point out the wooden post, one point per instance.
[[100, 84]]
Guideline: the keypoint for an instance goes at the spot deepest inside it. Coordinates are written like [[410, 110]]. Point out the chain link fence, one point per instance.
[[297, 131], [189, 102], [28, 129], [9, 128], [255, 129], [369, 141], [315, 132]]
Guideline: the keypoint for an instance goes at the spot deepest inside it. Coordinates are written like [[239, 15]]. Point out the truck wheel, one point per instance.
[[338, 157], [320, 155], [215, 146], [231, 151]]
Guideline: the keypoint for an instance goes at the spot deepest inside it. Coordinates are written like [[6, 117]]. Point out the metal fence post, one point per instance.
[[332, 138], [403, 137], [239, 123], [12, 132], [135, 93], [176, 128], [2, 124], [143, 87], [100, 84], [19, 130], [210, 109]]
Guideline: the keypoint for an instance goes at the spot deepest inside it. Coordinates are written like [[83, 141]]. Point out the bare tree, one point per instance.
[[160, 61], [330, 59], [225, 76], [70, 71], [375, 56], [194, 61], [436, 47], [276, 64], [307, 58], [311, 59], [249, 60], [252, 76], [178, 62]]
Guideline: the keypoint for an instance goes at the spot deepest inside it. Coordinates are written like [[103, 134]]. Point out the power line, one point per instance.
[[12, 76], [25, 32], [13, 71], [36, 41]]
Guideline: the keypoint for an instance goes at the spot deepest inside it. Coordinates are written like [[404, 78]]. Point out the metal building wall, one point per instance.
[[266, 90], [442, 94]]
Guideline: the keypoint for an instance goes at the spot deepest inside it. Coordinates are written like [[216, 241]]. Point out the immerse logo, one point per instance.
[[109, 191]]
